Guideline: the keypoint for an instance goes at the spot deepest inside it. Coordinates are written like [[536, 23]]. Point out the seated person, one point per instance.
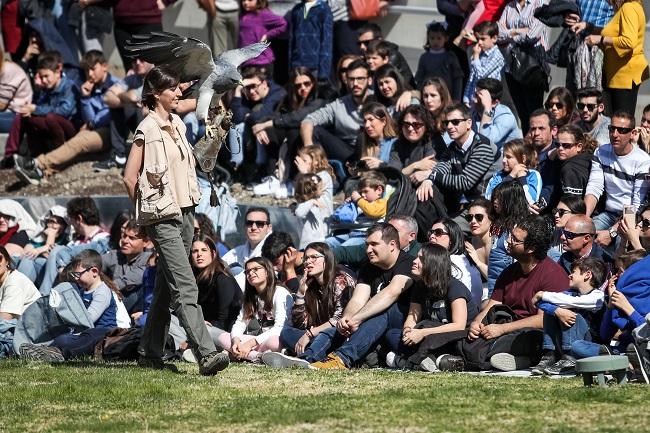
[[125, 266], [17, 292], [48, 122], [490, 117], [94, 135], [575, 151], [15, 91], [515, 345], [17, 227], [380, 300], [280, 250], [518, 161], [571, 315], [372, 32], [391, 91], [257, 223], [126, 112], [592, 121], [96, 291], [579, 241], [371, 198], [256, 100]]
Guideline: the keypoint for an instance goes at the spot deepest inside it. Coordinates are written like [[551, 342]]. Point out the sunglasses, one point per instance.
[[556, 105], [560, 212], [644, 222], [619, 129], [77, 275], [477, 216], [437, 233], [572, 235], [303, 84], [454, 122], [413, 125], [565, 145], [590, 107], [366, 42], [260, 224]]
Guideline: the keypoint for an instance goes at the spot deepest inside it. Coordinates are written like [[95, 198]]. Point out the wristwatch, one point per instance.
[[612, 233], [489, 113]]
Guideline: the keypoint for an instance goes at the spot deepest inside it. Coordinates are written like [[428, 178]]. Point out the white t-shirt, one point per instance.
[[17, 293]]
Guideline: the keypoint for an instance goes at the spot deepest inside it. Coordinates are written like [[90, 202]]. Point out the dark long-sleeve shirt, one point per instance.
[[220, 300], [250, 112]]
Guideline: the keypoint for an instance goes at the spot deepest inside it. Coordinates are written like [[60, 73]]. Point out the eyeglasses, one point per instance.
[[437, 233], [569, 236], [366, 41], [621, 130], [556, 105], [590, 107], [513, 240], [477, 216], [355, 79], [565, 145], [260, 224], [560, 212], [454, 122], [252, 86], [77, 275], [644, 223], [303, 84], [414, 125], [254, 270], [312, 258]]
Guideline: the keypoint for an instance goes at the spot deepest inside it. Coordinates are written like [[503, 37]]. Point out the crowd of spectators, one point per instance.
[[482, 226]]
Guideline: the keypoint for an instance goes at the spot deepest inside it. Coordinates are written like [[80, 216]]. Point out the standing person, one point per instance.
[[258, 24], [322, 295], [310, 37], [311, 212], [487, 60], [160, 141], [223, 22], [625, 66], [265, 313]]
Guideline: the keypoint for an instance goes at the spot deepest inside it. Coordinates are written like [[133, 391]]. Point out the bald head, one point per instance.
[[580, 224], [578, 235]]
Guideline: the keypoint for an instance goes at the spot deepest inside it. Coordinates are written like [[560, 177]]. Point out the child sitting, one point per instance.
[[518, 160], [311, 211], [571, 315], [438, 61], [487, 61], [371, 199]]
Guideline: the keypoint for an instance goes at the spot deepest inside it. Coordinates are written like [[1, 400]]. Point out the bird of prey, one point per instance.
[[192, 60]]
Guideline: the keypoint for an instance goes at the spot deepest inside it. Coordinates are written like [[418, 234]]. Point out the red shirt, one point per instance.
[[516, 289]]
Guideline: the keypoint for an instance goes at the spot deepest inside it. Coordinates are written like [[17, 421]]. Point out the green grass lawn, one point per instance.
[[98, 397]]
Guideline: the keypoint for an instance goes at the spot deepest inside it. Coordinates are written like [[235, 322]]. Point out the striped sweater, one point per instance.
[[623, 178]]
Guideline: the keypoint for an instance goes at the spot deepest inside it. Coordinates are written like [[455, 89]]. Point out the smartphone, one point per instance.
[[629, 214], [541, 203]]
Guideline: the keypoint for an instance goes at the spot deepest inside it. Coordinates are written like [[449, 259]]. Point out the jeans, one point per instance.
[[584, 349], [192, 128], [347, 239], [32, 268], [606, 219], [79, 345], [6, 119], [559, 337], [317, 348], [369, 333], [236, 140]]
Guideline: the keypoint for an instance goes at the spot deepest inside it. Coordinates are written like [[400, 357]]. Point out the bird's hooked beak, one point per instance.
[[240, 83]]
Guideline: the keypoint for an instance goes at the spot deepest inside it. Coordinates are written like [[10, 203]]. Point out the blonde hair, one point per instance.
[[307, 186], [318, 157]]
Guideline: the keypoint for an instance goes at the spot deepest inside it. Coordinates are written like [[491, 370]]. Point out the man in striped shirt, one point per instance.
[[464, 169], [619, 169]]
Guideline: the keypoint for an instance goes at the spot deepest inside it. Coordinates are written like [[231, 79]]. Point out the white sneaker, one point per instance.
[[269, 185], [284, 191], [280, 360], [188, 356], [390, 359]]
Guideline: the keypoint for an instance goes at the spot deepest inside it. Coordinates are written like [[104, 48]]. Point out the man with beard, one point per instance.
[[592, 120], [336, 125]]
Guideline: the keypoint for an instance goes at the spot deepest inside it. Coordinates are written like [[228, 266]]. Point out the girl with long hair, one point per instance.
[[322, 296], [478, 246], [377, 136], [389, 86], [441, 310], [435, 97], [575, 149], [265, 312], [561, 104]]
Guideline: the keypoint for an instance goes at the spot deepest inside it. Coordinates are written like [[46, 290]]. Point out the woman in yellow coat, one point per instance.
[[625, 65]]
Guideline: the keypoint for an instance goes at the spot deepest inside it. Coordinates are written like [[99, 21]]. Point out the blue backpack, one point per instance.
[[347, 213]]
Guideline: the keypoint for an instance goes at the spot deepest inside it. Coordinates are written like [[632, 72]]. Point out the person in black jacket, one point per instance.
[[575, 150], [302, 97], [220, 297]]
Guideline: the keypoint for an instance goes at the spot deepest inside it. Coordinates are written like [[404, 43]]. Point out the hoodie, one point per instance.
[[574, 174]]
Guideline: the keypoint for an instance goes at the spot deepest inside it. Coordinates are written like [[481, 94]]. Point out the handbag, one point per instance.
[[525, 67], [362, 10]]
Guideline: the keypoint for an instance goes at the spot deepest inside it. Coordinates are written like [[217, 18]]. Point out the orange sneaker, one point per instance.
[[333, 362]]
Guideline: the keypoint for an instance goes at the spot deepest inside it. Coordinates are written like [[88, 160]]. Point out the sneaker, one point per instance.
[[27, 170], [638, 358], [508, 362], [548, 359], [393, 360], [284, 191], [332, 362], [269, 185], [213, 363], [429, 365], [565, 365], [37, 352], [188, 356], [109, 164], [450, 363], [280, 360]]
